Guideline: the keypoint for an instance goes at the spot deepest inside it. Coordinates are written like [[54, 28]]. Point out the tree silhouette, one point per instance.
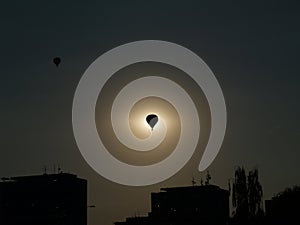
[[255, 195], [288, 193], [284, 207], [240, 194], [247, 196]]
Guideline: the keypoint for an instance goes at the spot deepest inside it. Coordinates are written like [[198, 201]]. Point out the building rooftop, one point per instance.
[[192, 188], [45, 177]]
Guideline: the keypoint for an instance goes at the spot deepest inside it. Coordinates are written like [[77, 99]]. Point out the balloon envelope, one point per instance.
[[152, 120], [56, 61]]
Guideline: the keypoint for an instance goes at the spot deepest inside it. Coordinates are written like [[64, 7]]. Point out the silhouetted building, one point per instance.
[[206, 205], [52, 199]]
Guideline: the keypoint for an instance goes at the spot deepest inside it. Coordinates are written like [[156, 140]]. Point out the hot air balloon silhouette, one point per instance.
[[152, 120], [56, 61]]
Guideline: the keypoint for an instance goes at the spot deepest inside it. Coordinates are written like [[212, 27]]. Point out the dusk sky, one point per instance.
[[252, 48]]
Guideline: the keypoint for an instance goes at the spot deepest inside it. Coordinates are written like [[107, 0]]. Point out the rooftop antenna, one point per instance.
[[59, 170], [54, 168], [201, 181], [45, 169], [208, 178], [193, 181]]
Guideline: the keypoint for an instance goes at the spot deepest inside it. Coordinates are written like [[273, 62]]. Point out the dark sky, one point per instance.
[[253, 49]]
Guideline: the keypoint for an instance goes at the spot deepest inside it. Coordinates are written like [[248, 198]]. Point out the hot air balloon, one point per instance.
[[56, 61], [152, 120]]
